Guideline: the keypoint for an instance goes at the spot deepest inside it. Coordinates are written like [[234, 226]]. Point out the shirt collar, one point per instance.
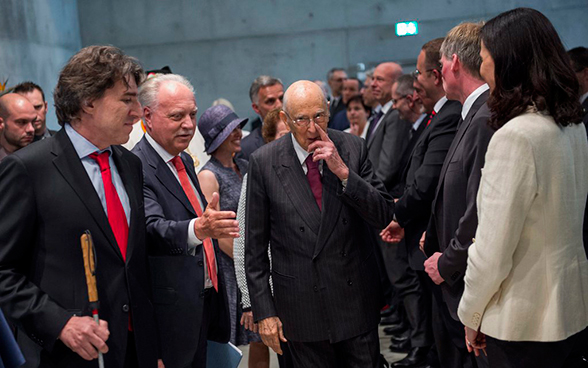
[[583, 97], [82, 146], [300, 152], [165, 156], [417, 123], [386, 107], [439, 105], [467, 104]]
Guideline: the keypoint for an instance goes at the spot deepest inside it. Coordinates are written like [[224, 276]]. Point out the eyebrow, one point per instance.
[[130, 93]]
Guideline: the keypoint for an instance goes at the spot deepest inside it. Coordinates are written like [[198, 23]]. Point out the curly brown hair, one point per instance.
[[270, 125], [88, 74]]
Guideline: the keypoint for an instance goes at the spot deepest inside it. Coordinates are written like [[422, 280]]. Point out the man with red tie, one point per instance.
[[188, 289], [55, 190]]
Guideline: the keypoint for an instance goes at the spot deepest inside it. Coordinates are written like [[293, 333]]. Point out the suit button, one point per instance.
[[344, 221], [301, 229], [343, 254], [200, 263], [315, 288], [349, 282], [125, 308]]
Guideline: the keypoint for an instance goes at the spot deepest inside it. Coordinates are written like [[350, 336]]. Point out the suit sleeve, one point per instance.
[[452, 263], [21, 300], [257, 236], [170, 236], [419, 194], [366, 193], [507, 190]]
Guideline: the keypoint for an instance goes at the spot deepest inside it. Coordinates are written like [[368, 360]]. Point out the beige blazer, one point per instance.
[[527, 273]]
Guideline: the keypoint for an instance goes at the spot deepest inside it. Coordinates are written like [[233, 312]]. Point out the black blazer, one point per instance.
[[47, 203], [325, 277], [177, 278], [454, 218], [251, 143], [421, 176]]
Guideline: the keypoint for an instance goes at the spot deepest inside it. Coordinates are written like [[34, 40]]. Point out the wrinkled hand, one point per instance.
[[324, 149], [248, 323], [354, 129], [393, 233], [475, 341], [422, 243], [85, 337], [216, 224], [432, 268], [270, 330]]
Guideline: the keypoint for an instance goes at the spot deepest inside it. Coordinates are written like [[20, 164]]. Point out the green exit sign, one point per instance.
[[407, 29]]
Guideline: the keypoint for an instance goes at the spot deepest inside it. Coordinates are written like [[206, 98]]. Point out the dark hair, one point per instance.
[[270, 125], [359, 98], [88, 74], [432, 51], [531, 68], [579, 58], [26, 87], [359, 83]]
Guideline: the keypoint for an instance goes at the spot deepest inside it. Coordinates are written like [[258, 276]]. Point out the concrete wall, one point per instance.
[[37, 37], [221, 46]]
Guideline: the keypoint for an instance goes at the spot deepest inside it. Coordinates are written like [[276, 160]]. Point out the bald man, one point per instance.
[[314, 196], [17, 118]]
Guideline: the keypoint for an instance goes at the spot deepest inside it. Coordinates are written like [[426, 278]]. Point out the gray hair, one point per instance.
[[261, 81], [332, 71], [404, 85], [148, 90], [463, 40], [370, 73]]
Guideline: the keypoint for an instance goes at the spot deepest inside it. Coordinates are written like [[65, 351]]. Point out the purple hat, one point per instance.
[[216, 124]]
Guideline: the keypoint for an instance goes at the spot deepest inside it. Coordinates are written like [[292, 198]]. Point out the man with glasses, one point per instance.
[[314, 198], [335, 79]]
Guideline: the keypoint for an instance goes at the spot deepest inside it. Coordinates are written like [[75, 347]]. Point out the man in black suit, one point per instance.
[[421, 176], [335, 79], [351, 87], [266, 93], [55, 190], [35, 94], [314, 199], [188, 289], [454, 218]]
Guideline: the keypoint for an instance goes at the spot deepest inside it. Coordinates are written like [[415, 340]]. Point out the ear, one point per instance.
[[45, 105], [88, 107], [455, 63], [255, 108], [147, 115], [438, 77], [1, 124], [284, 120]]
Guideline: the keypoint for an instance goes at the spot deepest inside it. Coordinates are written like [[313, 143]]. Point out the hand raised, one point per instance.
[[216, 224], [324, 149], [85, 337], [271, 332]]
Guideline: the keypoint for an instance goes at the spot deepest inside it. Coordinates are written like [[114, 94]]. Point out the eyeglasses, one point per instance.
[[417, 72], [395, 101], [319, 118]]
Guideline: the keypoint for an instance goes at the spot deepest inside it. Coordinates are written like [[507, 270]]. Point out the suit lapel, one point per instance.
[[69, 165], [296, 186]]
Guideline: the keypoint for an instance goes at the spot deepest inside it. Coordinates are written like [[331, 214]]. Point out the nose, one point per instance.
[[136, 110], [30, 127], [278, 104], [188, 122]]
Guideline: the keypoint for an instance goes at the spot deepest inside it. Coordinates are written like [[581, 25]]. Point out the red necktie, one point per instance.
[[208, 247], [433, 113], [115, 211], [314, 179]]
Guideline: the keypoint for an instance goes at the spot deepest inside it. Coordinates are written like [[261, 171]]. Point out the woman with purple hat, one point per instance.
[[223, 173]]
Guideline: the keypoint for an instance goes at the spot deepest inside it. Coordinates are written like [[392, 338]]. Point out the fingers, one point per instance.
[[214, 202], [322, 133], [281, 333]]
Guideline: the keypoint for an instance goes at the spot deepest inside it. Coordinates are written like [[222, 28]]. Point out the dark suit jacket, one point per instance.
[[47, 203], [339, 121], [325, 277], [421, 176], [335, 109], [386, 146], [177, 278], [454, 218], [251, 143]]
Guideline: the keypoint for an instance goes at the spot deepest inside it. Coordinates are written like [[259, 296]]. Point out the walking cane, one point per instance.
[[90, 268]]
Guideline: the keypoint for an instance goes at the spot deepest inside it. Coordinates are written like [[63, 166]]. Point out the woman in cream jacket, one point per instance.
[[526, 284]]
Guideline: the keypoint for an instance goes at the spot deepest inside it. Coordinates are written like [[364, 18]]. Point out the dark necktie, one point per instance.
[[314, 179], [208, 247], [115, 211], [373, 124]]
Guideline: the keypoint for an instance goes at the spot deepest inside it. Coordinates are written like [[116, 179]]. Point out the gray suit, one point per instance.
[[325, 278]]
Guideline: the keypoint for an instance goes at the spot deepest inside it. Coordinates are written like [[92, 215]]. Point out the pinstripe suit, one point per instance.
[[325, 276]]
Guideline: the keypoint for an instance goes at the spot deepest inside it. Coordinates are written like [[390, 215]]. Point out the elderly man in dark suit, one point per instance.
[[421, 175], [454, 214], [313, 196], [188, 288], [55, 190]]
